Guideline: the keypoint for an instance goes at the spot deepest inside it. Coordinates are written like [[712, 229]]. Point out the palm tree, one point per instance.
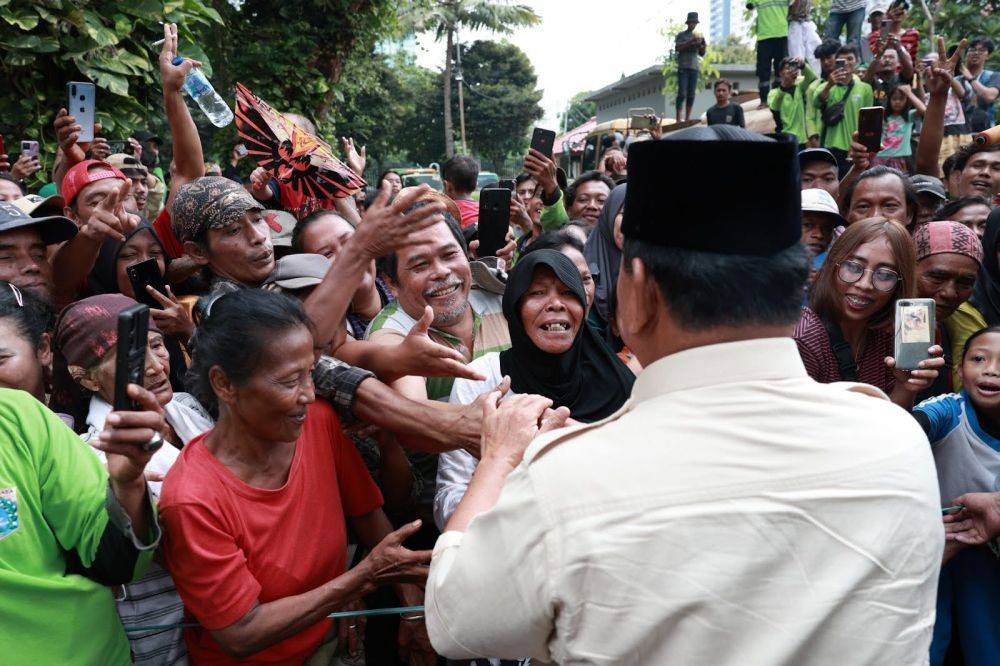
[[445, 17]]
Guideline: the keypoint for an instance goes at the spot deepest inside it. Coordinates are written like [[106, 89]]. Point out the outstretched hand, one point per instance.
[[422, 357], [172, 76], [391, 562], [510, 425], [109, 219], [356, 159], [388, 227], [939, 76]]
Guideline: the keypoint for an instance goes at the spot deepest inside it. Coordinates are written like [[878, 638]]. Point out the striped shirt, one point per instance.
[[817, 354], [489, 334], [846, 6]]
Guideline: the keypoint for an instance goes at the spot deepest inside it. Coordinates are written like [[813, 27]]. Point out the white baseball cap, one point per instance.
[[815, 200]]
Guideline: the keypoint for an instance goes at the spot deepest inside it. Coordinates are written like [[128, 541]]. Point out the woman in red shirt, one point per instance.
[[853, 300], [254, 509]]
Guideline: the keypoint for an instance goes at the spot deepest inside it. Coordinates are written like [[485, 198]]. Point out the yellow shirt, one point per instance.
[[734, 511], [962, 323]]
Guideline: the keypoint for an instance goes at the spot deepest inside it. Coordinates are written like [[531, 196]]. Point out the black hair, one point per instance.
[[722, 82], [948, 165], [971, 338], [909, 191], [389, 264], [849, 48], [586, 177], [947, 210], [965, 153], [234, 336], [381, 177], [704, 290], [301, 225], [32, 317], [985, 42], [554, 240], [827, 48], [522, 177], [788, 61], [461, 171]]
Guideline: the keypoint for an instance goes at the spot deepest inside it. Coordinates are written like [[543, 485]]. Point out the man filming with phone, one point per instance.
[[839, 101]]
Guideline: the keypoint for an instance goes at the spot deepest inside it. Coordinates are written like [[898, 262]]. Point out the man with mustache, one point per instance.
[[978, 170], [432, 281]]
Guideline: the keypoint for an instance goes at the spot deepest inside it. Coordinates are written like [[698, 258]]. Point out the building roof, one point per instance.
[[574, 139], [642, 77]]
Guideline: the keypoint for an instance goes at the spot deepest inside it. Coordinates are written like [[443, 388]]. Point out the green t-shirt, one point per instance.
[[791, 107], [52, 500], [861, 95], [772, 18], [814, 118]]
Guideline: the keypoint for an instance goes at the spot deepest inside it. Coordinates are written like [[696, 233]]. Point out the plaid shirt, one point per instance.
[[338, 382]]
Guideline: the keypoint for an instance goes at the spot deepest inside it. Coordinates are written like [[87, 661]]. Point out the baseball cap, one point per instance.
[[811, 154], [281, 224], [143, 136], [39, 206], [815, 200], [84, 173], [929, 185], [53, 229], [127, 164], [299, 271]]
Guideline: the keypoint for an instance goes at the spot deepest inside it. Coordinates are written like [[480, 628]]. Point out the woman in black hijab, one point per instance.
[[986, 296], [109, 277], [604, 255], [553, 353]]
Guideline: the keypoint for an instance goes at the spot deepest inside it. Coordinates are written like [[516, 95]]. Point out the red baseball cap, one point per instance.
[[83, 174]]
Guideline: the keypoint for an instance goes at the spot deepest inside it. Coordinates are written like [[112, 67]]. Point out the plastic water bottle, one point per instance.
[[201, 91]]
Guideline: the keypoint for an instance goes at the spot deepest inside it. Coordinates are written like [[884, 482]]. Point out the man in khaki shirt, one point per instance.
[[734, 511]]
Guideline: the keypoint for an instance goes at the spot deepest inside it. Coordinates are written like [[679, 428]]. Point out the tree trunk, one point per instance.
[[930, 26], [449, 138]]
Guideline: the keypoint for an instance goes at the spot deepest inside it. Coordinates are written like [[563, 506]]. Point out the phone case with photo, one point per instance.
[[914, 331]]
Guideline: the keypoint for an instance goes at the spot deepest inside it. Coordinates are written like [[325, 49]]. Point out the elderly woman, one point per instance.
[[553, 353], [254, 510]]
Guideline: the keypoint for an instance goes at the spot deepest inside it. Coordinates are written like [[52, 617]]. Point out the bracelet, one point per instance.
[[412, 618]]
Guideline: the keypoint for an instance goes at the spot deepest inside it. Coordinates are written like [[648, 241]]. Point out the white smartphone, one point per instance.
[[82, 105]]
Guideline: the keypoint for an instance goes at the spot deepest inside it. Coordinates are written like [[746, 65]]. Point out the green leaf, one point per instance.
[[22, 17], [96, 30], [45, 14], [143, 9], [24, 42]]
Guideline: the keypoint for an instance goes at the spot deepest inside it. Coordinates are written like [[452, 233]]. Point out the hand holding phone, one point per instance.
[[82, 106], [494, 220], [130, 358], [914, 333], [143, 274], [543, 141], [30, 149]]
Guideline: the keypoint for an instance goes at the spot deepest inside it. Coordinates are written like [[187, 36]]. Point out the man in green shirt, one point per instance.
[[788, 101], [826, 54], [69, 527], [842, 86], [772, 41]]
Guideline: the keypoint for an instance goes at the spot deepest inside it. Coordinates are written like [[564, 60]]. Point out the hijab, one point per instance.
[[603, 255], [986, 296], [588, 378]]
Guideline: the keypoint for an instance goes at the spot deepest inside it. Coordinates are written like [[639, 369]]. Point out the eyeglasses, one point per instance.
[[977, 49], [883, 279]]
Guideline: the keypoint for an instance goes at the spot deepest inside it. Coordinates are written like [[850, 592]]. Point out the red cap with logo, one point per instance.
[[83, 174]]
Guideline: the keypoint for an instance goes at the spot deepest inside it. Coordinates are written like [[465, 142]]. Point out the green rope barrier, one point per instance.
[[368, 612]]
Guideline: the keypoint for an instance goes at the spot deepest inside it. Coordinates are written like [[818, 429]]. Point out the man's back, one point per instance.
[[754, 521], [735, 512]]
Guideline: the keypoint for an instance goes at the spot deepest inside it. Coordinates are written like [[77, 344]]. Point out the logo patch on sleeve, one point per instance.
[[9, 521]]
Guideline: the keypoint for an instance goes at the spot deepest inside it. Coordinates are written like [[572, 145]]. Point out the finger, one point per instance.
[[382, 198], [553, 419], [352, 637], [342, 634], [155, 476], [112, 440], [460, 369], [503, 386], [424, 323], [160, 298], [407, 199], [404, 532], [131, 450], [941, 50], [490, 404], [890, 361]]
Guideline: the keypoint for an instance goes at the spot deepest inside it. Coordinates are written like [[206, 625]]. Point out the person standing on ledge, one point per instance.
[[688, 45], [733, 511]]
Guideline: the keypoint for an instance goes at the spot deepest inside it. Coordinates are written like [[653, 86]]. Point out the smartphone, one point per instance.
[[146, 273], [241, 150], [130, 360], [543, 141], [29, 148], [507, 184], [641, 122], [494, 220], [841, 63], [82, 98], [118, 146], [870, 127], [914, 331]]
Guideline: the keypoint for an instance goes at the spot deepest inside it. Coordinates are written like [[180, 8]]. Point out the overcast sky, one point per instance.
[[585, 44]]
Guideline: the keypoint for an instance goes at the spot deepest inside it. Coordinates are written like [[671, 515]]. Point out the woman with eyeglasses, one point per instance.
[[846, 333]]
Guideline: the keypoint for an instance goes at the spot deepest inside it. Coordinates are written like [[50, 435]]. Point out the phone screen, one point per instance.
[[870, 121]]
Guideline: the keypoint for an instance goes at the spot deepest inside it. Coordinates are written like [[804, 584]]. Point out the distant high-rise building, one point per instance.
[[726, 19]]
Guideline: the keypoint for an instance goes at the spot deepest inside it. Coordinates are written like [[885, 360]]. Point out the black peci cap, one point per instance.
[[716, 189]]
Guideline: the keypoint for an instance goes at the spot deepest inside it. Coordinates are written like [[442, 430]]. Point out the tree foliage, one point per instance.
[[578, 111], [955, 19], [502, 101], [732, 51]]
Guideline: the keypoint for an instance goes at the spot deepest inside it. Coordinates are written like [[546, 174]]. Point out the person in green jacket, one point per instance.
[[772, 41], [788, 100], [70, 527], [826, 53], [842, 86]]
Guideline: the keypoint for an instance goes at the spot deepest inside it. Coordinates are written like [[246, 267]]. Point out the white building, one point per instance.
[[726, 17]]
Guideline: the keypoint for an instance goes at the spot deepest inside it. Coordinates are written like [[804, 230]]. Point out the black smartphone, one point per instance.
[[117, 146], [494, 220], [841, 63], [543, 141], [130, 362], [870, 127], [507, 184], [146, 273]]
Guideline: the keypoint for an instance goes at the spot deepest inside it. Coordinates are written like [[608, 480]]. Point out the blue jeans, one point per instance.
[[835, 23], [687, 82]]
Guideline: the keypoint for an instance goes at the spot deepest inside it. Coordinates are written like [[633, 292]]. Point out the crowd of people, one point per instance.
[[664, 424]]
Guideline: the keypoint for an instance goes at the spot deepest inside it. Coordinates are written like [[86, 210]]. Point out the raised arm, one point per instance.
[[938, 80], [189, 161]]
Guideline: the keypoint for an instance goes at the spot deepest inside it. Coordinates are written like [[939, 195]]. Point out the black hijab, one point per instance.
[[986, 296], [603, 256], [103, 279], [588, 378]]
